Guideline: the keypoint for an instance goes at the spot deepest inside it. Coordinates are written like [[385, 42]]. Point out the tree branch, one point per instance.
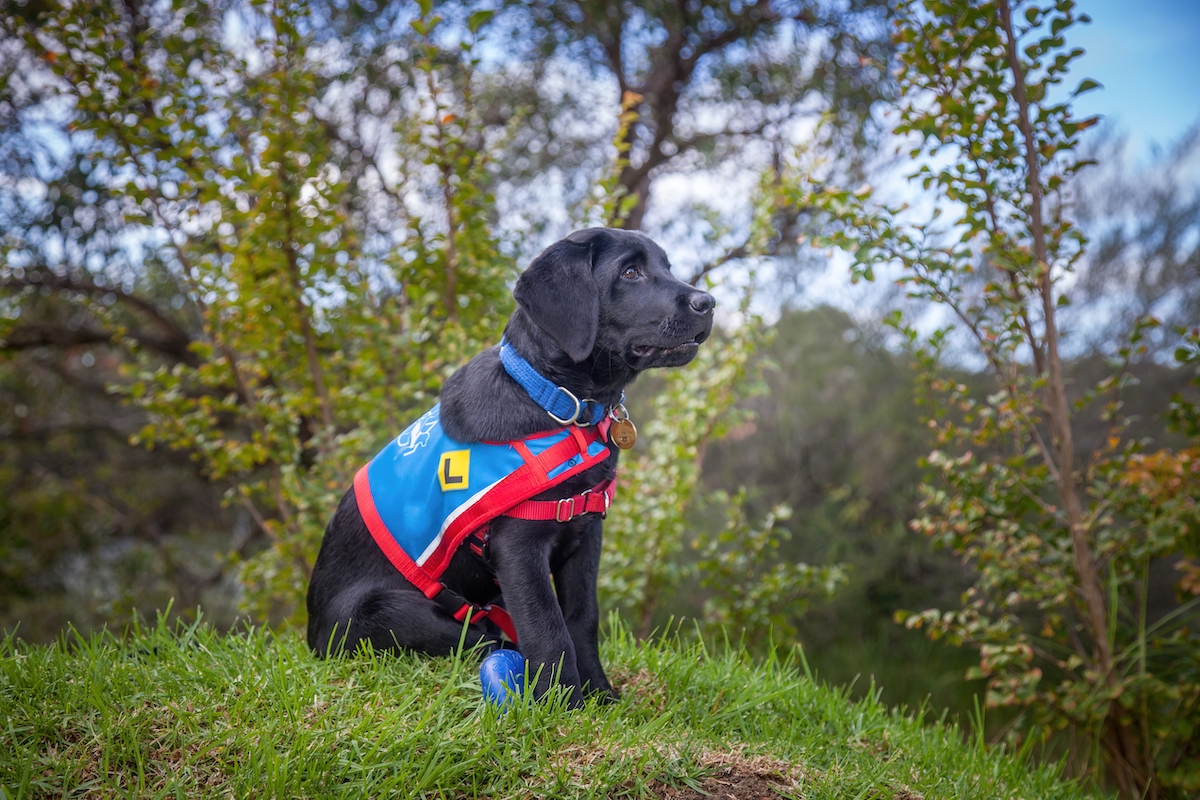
[[175, 342], [1059, 411], [741, 251]]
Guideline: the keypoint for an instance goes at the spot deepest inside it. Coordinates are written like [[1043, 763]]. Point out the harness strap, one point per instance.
[[460, 608], [529, 480], [498, 615], [391, 549], [590, 501]]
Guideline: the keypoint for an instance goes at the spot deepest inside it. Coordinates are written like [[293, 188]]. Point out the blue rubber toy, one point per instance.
[[502, 675]]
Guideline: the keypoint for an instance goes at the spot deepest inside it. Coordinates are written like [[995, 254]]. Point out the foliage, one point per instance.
[[312, 352], [91, 526], [1064, 541], [125, 534], [750, 589], [260, 225], [716, 82], [192, 713], [836, 437], [644, 542], [307, 329], [310, 341], [754, 591], [644, 539]]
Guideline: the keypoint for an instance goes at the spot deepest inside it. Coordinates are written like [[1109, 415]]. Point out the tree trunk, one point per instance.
[[1133, 778]]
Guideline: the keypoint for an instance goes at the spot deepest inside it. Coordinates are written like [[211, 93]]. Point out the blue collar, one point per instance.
[[562, 406]]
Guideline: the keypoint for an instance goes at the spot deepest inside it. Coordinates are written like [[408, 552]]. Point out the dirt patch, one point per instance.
[[733, 783], [736, 776]]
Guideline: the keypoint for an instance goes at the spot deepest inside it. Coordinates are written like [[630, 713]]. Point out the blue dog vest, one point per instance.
[[424, 493]]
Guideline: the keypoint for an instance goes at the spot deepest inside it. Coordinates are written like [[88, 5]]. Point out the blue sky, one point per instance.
[[1146, 53]]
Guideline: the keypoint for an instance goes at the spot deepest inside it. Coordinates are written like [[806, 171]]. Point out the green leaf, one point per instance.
[[1086, 86], [476, 20]]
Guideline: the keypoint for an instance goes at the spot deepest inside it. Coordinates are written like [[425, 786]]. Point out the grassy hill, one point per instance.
[[192, 713]]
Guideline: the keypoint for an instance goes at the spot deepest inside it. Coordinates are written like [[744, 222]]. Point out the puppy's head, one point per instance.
[[606, 289]]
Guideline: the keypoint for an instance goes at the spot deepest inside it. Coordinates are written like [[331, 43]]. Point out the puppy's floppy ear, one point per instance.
[[559, 293]]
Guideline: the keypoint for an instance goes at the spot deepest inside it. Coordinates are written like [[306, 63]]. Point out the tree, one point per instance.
[[303, 327], [1063, 547], [77, 283], [276, 283], [715, 83]]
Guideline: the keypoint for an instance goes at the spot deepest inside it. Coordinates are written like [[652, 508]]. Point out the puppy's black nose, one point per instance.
[[702, 303]]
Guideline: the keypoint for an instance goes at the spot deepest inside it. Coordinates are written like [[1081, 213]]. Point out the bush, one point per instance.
[[1063, 540]]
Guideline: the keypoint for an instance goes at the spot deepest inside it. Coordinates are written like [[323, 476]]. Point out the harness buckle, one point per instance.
[[584, 405], [573, 417], [558, 511]]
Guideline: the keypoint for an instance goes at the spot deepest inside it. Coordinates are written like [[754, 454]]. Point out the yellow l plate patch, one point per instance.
[[454, 469]]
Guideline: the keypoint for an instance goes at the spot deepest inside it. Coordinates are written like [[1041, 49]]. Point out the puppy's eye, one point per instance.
[[630, 272]]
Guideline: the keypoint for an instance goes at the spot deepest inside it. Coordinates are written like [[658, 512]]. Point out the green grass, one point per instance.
[[193, 713]]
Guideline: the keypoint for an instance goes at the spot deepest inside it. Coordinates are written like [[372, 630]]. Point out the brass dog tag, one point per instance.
[[623, 433]]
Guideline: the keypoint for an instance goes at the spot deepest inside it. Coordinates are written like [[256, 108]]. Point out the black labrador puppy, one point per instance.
[[593, 311]]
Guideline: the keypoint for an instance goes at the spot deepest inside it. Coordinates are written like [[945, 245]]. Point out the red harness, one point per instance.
[[510, 497]]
